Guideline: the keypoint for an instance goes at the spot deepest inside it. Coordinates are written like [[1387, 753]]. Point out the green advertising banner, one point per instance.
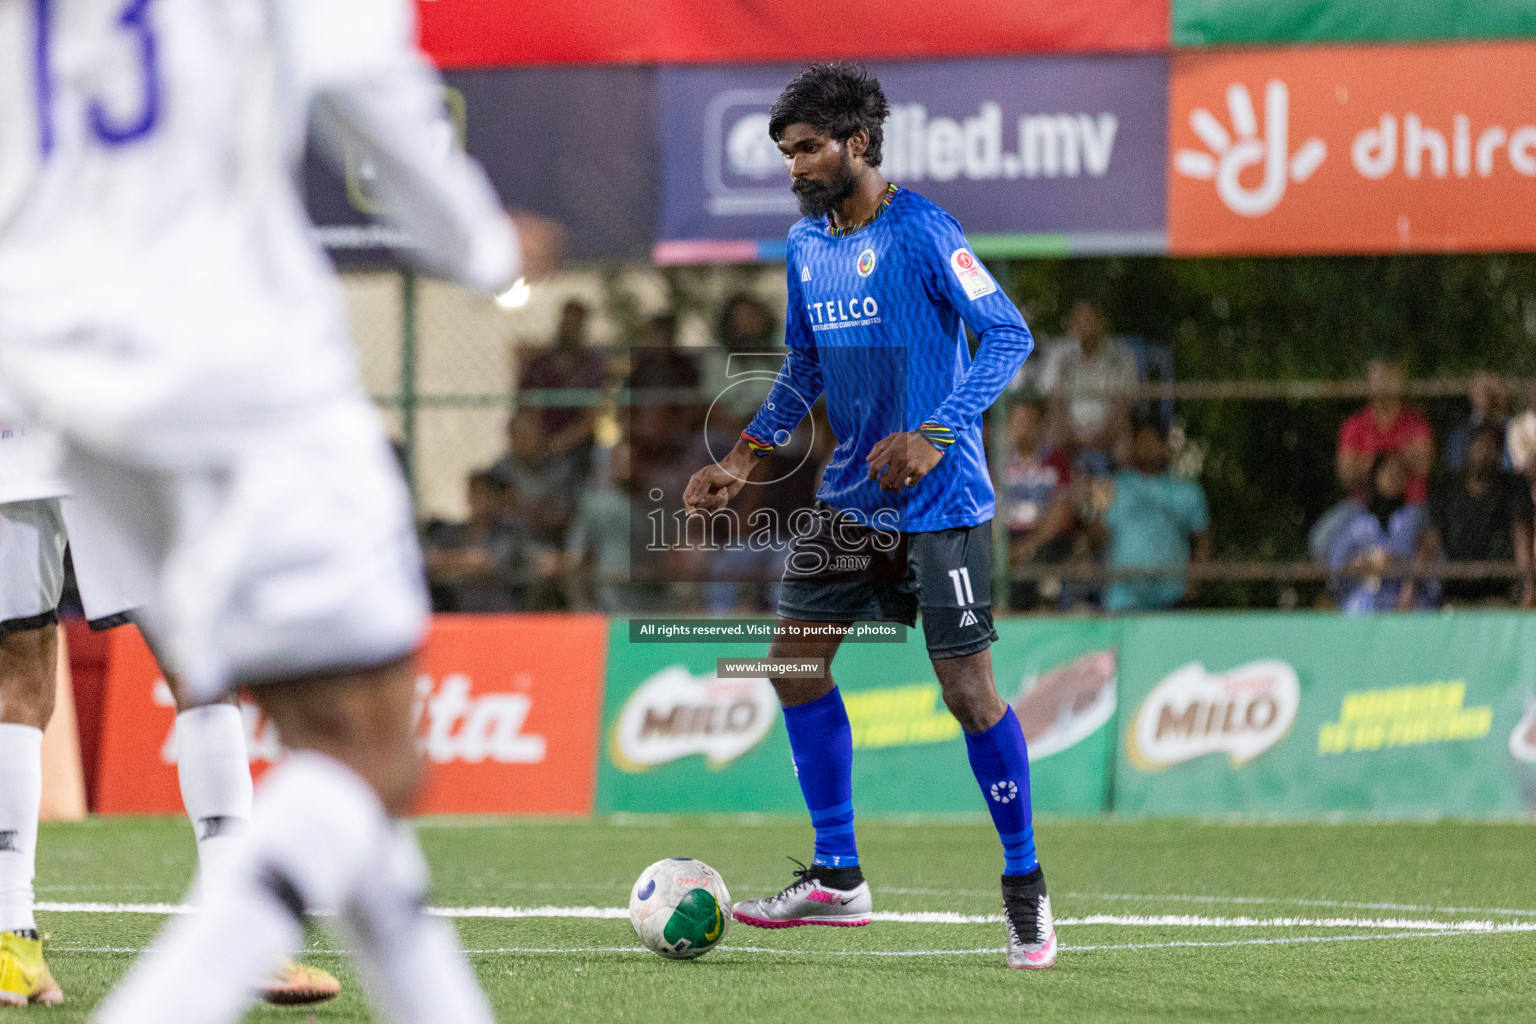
[[1299, 715], [1061, 676], [1227, 22], [678, 739]]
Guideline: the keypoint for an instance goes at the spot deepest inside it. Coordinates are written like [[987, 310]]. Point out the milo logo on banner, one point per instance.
[[1240, 713], [675, 713]]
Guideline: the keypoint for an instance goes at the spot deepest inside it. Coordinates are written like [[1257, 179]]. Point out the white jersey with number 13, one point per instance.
[[160, 291]]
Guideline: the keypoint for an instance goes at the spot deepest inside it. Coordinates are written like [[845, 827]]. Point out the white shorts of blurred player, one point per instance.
[[292, 556], [33, 535]]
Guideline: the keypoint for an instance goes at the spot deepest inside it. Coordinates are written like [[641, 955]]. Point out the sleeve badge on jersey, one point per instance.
[[972, 275]]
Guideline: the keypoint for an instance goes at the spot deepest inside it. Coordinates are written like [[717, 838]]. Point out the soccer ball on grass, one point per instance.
[[680, 908]]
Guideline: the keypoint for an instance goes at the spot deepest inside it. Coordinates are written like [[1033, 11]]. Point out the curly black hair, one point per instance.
[[838, 99]]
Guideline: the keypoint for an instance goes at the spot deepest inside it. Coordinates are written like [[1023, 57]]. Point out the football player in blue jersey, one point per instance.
[[882, 286]]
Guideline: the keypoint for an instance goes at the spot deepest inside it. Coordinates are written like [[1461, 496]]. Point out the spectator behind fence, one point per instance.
[[656, 361], [597, 547], [1489, 396], [1037, 484], [1152, 520], [566, 365], [746, 324], [484, 563], [1374, 549], [1479, 515], [1385, 425], [540, 487], [1089, 378]]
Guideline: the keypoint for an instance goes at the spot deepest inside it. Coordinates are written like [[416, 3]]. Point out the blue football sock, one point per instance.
[[822, 742], [1001, 765]]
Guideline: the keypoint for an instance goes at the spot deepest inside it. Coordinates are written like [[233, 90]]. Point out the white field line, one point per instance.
[[994, 951], [1390, 923], [905, 917], [1273, 900], [897, 891], [1222, 900], [600, 913], [990, 951], [112, 908]]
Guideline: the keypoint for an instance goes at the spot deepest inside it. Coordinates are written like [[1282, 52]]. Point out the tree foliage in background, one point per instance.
[[1269, 467]]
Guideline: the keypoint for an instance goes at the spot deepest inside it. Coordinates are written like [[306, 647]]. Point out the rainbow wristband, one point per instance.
[[761, 449], [938, 435]]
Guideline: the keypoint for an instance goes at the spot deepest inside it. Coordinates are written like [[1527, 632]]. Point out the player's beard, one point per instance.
[[817, 198]]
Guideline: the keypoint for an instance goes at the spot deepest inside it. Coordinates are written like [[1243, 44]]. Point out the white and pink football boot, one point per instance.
[[1031, 930], [811, 900]]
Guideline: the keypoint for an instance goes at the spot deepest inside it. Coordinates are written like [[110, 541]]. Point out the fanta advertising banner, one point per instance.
[[487, 33], [1301, 715], [1353, 150], [507, 708], [1221, 22], [1041, 155], [678, 739], [136, 764]]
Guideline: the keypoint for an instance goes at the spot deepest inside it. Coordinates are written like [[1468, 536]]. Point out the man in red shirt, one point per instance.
[[1385, 425]]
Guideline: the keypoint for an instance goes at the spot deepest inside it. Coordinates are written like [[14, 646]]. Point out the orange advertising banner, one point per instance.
[[136, 762], [507, 711], [1353, 150]]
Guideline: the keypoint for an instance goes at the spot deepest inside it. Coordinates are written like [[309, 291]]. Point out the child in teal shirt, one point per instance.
[[1154, 520]]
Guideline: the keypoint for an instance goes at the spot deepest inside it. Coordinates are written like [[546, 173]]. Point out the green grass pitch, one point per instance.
[[1164, 921]]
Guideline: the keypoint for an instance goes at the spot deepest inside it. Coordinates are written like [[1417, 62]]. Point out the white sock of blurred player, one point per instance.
[[215, 775], [319, 840], [21, 795], [397, 946]]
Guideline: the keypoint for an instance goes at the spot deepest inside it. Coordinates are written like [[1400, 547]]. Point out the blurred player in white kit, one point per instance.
[[37, 520], [164, 309]]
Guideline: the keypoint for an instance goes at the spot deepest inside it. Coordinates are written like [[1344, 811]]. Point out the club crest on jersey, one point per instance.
[[866, 264], [973, 277]]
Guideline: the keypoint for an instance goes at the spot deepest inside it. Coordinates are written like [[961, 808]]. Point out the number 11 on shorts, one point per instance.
[[962, 580]]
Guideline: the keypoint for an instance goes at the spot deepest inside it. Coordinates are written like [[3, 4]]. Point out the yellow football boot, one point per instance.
[[24, 977], [294, 984]]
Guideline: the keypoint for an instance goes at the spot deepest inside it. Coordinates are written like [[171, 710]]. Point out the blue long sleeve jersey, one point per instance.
[[876, 321]]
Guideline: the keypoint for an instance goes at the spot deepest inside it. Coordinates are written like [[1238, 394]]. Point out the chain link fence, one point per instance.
[[441, 364]]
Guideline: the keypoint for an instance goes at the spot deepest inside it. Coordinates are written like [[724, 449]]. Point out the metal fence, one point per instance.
[[439, 363]]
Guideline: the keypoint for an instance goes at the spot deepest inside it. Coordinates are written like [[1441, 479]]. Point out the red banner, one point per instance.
[[1353, 150], [136, 761], [507, 710], [510, 712], [487, 33]]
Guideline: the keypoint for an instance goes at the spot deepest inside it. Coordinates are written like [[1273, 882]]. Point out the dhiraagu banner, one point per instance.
[[1300, 715], [678, 739]]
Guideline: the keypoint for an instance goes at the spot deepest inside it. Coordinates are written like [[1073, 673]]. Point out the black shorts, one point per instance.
[[51, 618], [839, 571]]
